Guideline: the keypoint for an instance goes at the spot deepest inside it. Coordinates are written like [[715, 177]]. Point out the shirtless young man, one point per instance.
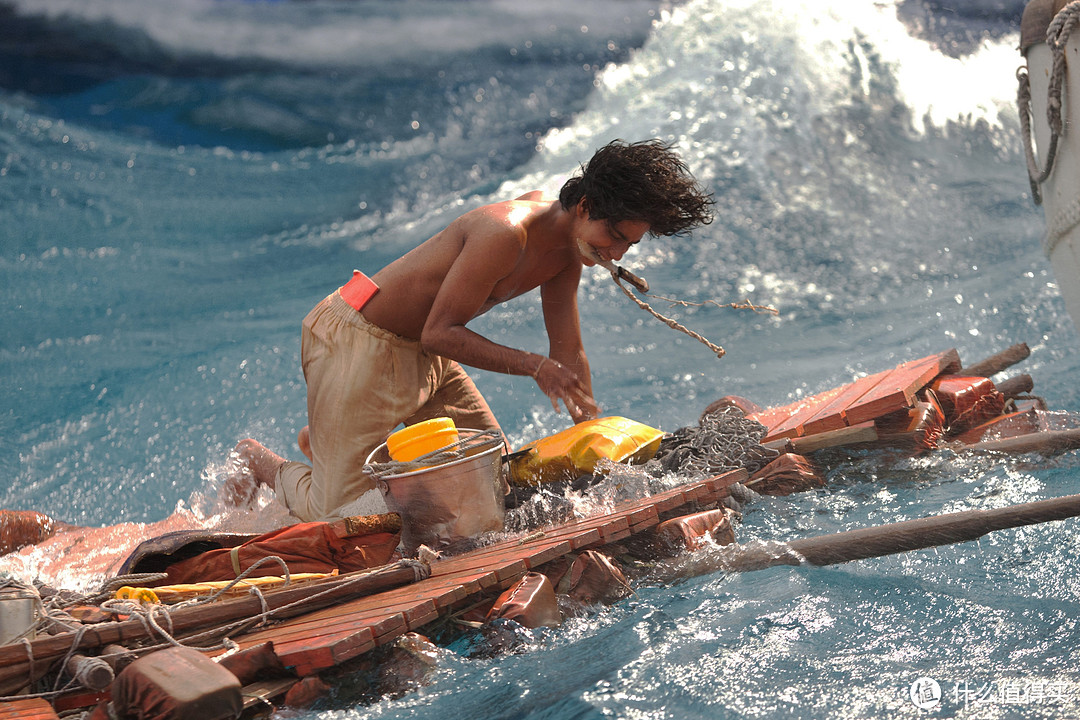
[[397, 358]]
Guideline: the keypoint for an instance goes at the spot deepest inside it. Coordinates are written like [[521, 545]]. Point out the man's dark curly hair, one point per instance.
[[644, 181]]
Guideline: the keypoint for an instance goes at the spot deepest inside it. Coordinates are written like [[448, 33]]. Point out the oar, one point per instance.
[[875, 541]]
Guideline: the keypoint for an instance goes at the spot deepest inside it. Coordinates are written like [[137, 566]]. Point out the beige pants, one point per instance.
[[362, 381]]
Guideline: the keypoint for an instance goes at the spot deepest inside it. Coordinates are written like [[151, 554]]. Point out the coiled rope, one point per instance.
[[1057, 36]]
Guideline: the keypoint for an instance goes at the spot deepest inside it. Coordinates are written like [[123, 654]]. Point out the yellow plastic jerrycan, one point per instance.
[[575, 451]]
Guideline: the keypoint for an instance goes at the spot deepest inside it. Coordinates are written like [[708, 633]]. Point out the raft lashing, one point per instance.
[[287, 644]]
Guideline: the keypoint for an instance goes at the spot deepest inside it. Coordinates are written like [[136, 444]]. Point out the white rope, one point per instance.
[[123, 607], [1058, 227]]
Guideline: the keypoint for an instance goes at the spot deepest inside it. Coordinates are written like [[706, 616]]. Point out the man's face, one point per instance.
[[599, 241]]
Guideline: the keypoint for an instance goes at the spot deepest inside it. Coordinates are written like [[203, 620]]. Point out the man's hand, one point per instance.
[[561, 383]]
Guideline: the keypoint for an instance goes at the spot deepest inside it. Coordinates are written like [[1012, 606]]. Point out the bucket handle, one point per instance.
[[482, 439]]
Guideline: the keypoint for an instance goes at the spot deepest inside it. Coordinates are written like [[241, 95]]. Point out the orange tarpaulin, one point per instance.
[[314, 547]]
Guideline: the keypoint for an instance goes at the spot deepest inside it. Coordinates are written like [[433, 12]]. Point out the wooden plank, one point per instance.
[[340, 634], [408, 607], [643, 519], [483, 578], [830, 415], [80, 699], [512, 578], [330, 636], [868, 397], [861, 433], [722, 483], [773, 418], [897, 391], [546, 552], [796, 413], [31, 709], [617, 536], [308, 661], [511, 572], [541, 550], [574, 535]]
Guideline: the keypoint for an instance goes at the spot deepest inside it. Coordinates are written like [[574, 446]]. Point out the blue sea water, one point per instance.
[[180, 182]]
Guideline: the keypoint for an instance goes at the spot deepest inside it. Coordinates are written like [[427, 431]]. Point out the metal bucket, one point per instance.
[[18, 613], [458, 495]]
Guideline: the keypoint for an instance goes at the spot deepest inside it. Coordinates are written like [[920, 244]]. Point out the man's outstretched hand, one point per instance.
[[561, 383]]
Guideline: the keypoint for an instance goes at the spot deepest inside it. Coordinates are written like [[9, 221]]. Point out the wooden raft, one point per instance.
[[29, 709], [329, 637], [858, 402]]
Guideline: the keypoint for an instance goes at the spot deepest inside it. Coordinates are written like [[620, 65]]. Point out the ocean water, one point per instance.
[[180, 182]]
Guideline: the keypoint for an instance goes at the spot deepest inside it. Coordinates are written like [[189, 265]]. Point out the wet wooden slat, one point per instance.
[[794, 414], [31, 709], [857, 402], [830, 415], [328, 637], [897, 391]]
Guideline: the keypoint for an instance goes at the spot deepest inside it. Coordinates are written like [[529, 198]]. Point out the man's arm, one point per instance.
[[559, 298], [489, 253]]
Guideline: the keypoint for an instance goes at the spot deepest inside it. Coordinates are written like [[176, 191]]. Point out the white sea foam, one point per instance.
[[382, 33]]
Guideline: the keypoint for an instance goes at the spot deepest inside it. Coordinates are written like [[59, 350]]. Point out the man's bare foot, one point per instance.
[[250, 465], [19, 528]]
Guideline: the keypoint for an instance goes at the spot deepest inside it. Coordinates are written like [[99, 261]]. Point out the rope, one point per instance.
[[1058, 226], [1057, 36], [71, 651], [719, 351], [146, 615], [29, 656], [482, 439], [420, 572]]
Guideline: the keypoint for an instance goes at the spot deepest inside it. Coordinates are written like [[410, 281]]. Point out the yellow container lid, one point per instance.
[[422, 438]]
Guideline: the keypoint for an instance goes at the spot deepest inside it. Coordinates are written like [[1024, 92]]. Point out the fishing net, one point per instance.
[[723, 440]]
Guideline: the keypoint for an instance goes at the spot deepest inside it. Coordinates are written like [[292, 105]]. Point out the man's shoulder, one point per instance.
[[534, 196], [510, 216]]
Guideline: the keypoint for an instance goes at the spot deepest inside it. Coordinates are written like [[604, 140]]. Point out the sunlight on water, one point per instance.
[[173, 215]]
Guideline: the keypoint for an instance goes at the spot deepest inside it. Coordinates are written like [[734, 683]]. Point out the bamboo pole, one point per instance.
[[1046, 442], [996, 363], [1015, 386], [874, 541], [854, 435]]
